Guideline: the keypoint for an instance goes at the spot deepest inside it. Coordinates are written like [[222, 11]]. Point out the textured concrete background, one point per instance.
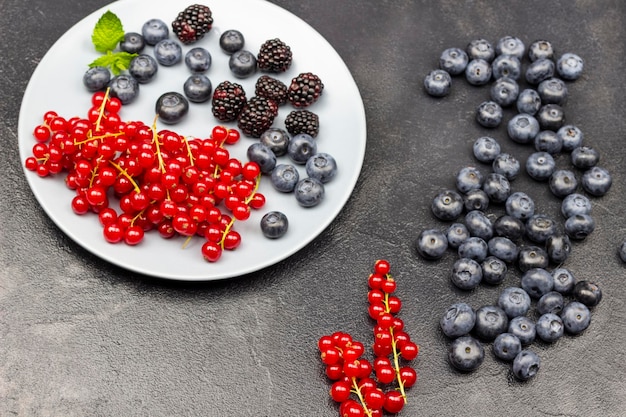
[[80, 337]]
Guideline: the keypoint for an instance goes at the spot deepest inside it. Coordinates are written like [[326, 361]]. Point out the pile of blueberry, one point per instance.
[[494, 228]]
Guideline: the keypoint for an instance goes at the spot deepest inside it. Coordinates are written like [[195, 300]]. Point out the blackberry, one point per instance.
[[192, 23], [257, 116], [271, 88], [302, 121], [274, 56], [228, 101], [305, 89]]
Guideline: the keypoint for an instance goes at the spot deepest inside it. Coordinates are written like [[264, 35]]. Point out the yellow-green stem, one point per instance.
[[357, 390], [102, 107], [396, 354], [124, 173]]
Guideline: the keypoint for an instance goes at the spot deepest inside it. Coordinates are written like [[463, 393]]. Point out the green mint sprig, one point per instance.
[[106, 35]]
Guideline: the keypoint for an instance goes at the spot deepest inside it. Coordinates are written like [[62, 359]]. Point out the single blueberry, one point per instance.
[[301, 147], [478, 72], [524, 328], [489, 114], [540, 165], [198, 59], [510, 45], [506, 66], [198, 88], [506, 346], [309, 192], [550, 117], [504, 91], [569, 66], [597, 181], [558, 247], [480, 49], [469, 178], [579, 226], [458, 320], [447, 205], [503, 248], [284, 177], [572, 137], [520, 205], [621, 251], [453, 60], [473, 248], [539, 70], [539, 227], [526, 365], [497, 187], [553, 91], [133, 43], [537, 282], [514, 301], [466, 354], [466, 274], [522, 128], [431, 244], [532, 257], [274, 224], [548, 141], [564, 280], [494, 270], [585, 157], [321, 166], [476, 200], [549, 327], [168, 52], [575, 204], [479, 224], [456, 234], [231, 41], [262, 155], [171, 107], [143, 68], [576, 317], [507, 165], [96, 78], [437, 83], [528, 102], [124, 87], [242, 64], [551, 302], [562, 183], [587, 292], [491, 321], [540, 49], [486, 149], [509, 227], [154, 31], [276, 139]]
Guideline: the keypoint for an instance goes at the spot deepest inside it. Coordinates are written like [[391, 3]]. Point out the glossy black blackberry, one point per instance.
[[228, 101], [305, 89], [302, 121], [192, 23], [272, 88], [257, 116], [274, 56]]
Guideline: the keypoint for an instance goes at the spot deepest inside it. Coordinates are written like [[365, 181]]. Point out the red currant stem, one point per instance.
[[102, 106], [357, 390], [191, 158], [124, 173], [155, 139], [93, 175], [256, 187], [186, 242], [396, 354], [90, 137], [226, 230]]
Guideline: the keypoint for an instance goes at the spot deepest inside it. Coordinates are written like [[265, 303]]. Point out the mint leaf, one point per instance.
[[103, 61], [107, 33], [117, 61]]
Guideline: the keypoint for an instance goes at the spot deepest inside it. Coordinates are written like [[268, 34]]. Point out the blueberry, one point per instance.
[[528, 102], [572, 137], [466, 274], [437, 83], [506, 66], [447, 205], [562, 183], [486, 149], [458, 320], [504, 91], [497, 187], [532, 257], [579, 226], [507, 346], [198, 88], [309, 192], [526, 365], [510, 45], [489, 114], [466, 354], [503, 248], [276, 139], [514, 301], [231, 41], [540, 49], [473, 248], [171, 107], [154, 31], [539, 227], [479, 224], [168, 52], [553, 91], [539, 70], [456, 234], [551, 302], [480, 49], [524, 328], [558, 247], [520, 206], [491, 321], [507, 165], [585, 157], [575, 204], [540, 165], [587, 292], [96, 78], [198, 59], [537, 282], [509, 227], [522, 128], [262, 155], [621, 251], [301, 147], [478, 72], [576, 317], [597, 181], [469, 178], [431, 244], [548, 141], [124, 87], [569, 66], [476, 200], [242, 64], [551, 117], [321, 166], [274, 224], [494, 270], [133, 43], [284, 177], [564, 280], [549, 327], [143, 68], [453, 60]]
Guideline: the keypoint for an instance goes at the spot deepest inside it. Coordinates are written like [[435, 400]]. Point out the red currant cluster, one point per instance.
[[162, 180], [352, 374]]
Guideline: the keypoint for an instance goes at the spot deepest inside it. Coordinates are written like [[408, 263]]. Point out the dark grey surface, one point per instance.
[[80, 337]]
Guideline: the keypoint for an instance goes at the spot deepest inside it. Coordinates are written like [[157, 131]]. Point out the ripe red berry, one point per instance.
[[340, 391], [375, 281], [408, 376], [409, 351], [211, 251], [375, 399], [330, 356], [382, 267], [389, 285], [394, 402], [385, 374]]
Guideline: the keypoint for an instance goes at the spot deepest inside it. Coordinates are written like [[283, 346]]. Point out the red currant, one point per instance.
[[394, 402], [340, 391], [382, 267]]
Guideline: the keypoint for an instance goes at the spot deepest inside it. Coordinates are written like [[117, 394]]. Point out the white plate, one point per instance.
[[57, 85]]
